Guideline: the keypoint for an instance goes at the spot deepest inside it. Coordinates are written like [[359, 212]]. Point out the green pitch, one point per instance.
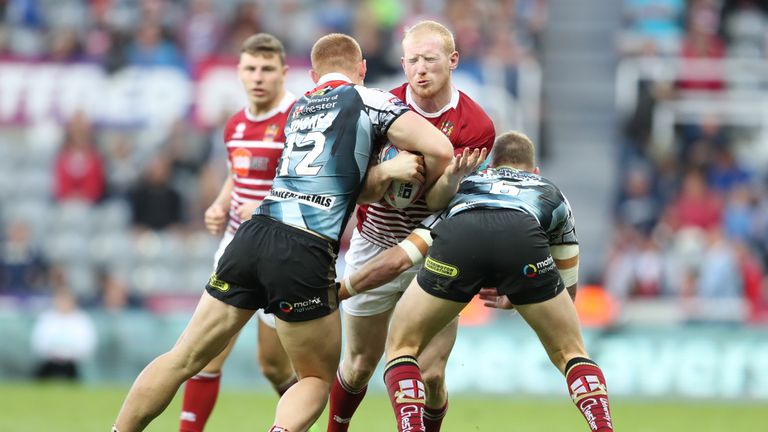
[[67, 408]]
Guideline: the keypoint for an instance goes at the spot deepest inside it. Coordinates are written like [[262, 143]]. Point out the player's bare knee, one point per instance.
[[359, 370], [274, 371], [434, 381]]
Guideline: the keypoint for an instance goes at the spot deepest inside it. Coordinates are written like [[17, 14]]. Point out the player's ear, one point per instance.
[[453, 60], [536, 170], [363, 70], [314, 75]]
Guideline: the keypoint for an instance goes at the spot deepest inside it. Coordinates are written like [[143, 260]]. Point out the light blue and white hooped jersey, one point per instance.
[[329, 138], [510, 188]]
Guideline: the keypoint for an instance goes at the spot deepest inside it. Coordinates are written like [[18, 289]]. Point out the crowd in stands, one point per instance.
[[692, 215], [117, 210]]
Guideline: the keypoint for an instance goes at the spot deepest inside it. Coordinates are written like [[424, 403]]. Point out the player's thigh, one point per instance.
[[215, 365], [365, 335], [313, 346], [556, 323], [418, 317], [211, 328], [436, 353], [271, 351]]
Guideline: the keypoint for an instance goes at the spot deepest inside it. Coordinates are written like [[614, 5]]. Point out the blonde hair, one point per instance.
[[513, 148], [263, 44], [435, 28], [335, 52]]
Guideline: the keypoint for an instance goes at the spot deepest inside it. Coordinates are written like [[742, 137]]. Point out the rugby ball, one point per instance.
[[399, 194]]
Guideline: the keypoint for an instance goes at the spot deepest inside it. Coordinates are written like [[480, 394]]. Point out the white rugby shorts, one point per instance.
[[266, 318], [377, 300]]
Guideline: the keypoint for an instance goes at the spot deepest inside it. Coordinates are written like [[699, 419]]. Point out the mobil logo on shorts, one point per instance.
[[300, 306], [533, 270]]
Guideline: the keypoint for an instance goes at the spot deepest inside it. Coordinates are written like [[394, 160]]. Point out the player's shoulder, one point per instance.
[[472, 110], [399, 91], [236, 121]]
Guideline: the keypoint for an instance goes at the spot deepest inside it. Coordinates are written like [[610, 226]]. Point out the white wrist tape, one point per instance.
[[425, 235], [348, 286], [412, 251]]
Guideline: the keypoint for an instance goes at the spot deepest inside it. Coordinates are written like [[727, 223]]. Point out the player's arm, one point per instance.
[[567, 261], [387, 265], [405, 166], [413, 133], [448, 183], [217, 214]]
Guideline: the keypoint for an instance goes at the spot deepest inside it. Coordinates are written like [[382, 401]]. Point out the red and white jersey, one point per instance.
[[466, 125], [254, 146]]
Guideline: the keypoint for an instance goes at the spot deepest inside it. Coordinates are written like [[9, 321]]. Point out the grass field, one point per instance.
[[68, 408]]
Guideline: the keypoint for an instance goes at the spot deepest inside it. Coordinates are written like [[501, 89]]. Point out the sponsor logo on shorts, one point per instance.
[[217, 283], [441, 268], [541, 267], [302, 306]]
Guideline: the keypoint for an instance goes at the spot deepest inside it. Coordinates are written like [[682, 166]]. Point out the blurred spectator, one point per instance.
[[245, 22], [658, 22], [638, 207], [465, 19], [739, 213], [200, 31], [78, 170], [696, 205], [65, 46], [374, 41], [745, 26], [113, 294], [150, 48], [725, 173], [635, 266], [122, 166], [719, 273], [26, 23], [155, 203], [23, 269], [62, 338], [702, 42]]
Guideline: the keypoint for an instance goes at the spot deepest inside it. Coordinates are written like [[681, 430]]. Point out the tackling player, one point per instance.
[[254, 138], [283, 258], [510, 229], [429, 57]]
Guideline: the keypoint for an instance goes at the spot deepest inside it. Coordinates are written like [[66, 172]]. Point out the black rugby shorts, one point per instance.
[[486, 248], [283, 269]]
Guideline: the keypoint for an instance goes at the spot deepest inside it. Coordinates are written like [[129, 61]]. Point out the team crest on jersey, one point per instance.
[[446, 127], [241, 161], [239, 131], [271, 132]]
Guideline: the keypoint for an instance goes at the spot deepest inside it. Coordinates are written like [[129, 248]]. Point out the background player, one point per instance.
[[283, 258], [429, 56], [254, 138], [511, 229]]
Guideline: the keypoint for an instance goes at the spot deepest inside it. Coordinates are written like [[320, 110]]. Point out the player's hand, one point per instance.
[[245, 211], [466, 162], [215, 218], [406, 166], [492, 299]]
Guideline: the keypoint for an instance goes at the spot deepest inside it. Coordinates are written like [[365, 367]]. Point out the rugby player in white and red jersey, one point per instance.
[[429, 56], [254, 137]]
